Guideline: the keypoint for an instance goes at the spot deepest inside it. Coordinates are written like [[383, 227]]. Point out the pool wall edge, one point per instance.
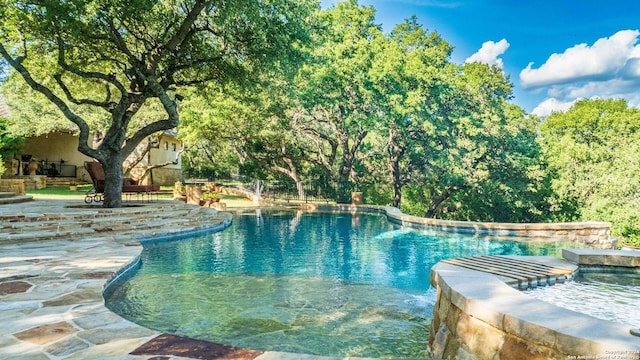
[[478, 315], [593, 234], [128, 270]]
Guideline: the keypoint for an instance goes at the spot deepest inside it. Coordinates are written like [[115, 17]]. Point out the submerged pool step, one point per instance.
[[518, 273]]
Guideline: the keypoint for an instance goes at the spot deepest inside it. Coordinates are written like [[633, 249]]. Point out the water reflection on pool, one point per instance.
[[607, 296], [314, 283]]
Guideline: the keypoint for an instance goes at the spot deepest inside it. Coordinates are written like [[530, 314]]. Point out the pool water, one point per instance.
[[314, 283], [607, 296]]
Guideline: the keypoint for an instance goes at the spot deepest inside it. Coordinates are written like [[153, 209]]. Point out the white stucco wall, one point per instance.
[[55, 147], [61, 146], [167, 150]]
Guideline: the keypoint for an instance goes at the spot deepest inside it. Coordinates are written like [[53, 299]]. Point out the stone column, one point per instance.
[[356, 198], [194, 192]]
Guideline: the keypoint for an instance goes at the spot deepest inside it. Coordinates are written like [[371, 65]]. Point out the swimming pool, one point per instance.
[[607, 296], [314, 283]]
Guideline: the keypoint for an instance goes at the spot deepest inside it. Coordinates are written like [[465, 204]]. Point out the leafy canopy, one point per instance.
[[121, 58]]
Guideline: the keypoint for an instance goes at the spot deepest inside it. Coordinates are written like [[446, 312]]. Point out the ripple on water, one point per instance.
[[323, 284], [612, 297]]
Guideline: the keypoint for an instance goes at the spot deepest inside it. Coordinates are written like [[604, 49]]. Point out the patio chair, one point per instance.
[[129, 185]]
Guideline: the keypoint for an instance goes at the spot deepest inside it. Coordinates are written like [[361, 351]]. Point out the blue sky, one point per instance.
[[555, 51]]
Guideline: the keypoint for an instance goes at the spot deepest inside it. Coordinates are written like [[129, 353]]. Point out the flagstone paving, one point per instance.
[[55, 258]]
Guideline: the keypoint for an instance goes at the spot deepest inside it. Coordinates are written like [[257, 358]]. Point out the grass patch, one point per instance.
[[59, 192], [62, 192]]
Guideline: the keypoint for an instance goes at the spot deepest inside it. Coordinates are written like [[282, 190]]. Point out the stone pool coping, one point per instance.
[[478, 315], [592, 233]]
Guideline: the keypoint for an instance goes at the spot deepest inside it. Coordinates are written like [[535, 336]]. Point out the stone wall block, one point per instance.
[[516, 348], [452, 347], [453, 315], [194, 192], [16, 186], [522, 328], [439, 344], [478, 337]]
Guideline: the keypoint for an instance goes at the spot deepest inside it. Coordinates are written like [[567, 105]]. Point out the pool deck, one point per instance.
[[55, 261], [57, 255]]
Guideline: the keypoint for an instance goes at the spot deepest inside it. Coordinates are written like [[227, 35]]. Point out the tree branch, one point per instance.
[[179, 36], [103, 104], [109, 78], [83, 145]]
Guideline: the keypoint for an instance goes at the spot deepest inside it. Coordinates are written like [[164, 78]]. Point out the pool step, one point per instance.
[[517, 273], [13, 198], [148, 220]]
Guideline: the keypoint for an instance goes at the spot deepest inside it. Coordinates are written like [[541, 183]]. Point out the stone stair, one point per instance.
[[63, 181], [147, 219], [13, 198]]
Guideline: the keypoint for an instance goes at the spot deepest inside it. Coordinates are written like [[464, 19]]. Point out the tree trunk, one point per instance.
[[113, 182], [345, 185], [300, 187], [293, 174], [394, 164], [435, 203], [396, 153]]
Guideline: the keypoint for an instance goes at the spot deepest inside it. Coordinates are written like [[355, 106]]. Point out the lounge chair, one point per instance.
[[129, 186]]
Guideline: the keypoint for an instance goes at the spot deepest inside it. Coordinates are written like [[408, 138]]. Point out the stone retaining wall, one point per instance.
[[477, 316], [12, 185], [592, 234], [34, 182]]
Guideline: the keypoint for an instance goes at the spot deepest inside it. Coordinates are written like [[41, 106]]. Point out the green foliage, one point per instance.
[[593, 152], [633, 240], [9, 142], [112, 67], [337, 97], [416, 200], [388, 115]]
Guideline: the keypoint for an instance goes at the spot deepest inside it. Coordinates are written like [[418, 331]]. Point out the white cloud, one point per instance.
[[489, 53], [603, 60], [610, 68], [550, 105]]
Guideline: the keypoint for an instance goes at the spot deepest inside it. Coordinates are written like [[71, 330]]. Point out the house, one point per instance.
[[156, 160]]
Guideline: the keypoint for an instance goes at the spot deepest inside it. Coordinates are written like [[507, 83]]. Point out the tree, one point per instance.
[[413, 58], [120, 57], [9, 144], [337, 94], [593, 151], [476, 159]]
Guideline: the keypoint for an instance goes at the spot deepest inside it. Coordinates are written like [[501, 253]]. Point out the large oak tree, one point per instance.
[[120, 56]]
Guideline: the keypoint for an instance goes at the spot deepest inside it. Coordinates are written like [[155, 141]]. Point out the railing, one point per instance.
[[280, 190], [283, 190], [52, 169]]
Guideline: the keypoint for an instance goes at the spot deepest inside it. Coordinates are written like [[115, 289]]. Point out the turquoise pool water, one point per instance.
[[313, 283], [607, 296]]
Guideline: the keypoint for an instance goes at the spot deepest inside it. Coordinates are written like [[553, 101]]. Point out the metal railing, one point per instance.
[[278, 190], [52, 169]]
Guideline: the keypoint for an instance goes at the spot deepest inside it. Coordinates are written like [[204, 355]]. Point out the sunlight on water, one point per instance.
[[323, 284], [612, 297]]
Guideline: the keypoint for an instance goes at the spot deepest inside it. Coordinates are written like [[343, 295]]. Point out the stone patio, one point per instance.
[[57, 256]]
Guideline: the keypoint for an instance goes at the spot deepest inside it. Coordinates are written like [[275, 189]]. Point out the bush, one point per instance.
[[632, 240]]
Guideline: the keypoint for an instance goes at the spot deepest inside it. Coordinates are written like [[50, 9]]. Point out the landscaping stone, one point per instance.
[[46, 333]]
